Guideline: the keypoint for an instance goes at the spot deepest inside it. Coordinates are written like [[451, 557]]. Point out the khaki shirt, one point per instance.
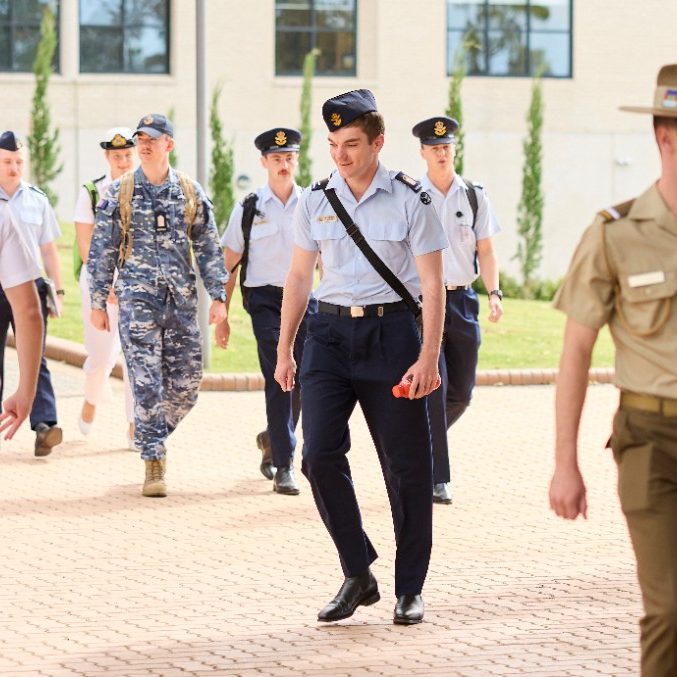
[[641, 278]]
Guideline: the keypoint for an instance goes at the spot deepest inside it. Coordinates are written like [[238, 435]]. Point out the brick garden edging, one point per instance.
[[74, 353]]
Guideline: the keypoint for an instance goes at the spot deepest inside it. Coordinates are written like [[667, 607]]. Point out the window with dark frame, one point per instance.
[[124, 36], [20, 33], [507, 38], [327, 25]]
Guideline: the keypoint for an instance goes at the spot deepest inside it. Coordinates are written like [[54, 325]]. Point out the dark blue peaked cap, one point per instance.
[[343, 109], [435, 131], [278, 140], [10, 141]]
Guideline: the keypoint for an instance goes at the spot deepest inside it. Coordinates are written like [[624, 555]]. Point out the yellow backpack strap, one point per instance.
[[188, 190], [610, 215], [125, 206]]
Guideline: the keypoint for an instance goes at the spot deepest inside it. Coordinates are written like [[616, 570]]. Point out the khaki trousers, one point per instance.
[[645, 449]]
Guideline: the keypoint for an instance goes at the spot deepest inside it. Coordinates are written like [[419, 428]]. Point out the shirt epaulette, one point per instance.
[[320, 185], [616, 212], [37, 190], [408, 181]]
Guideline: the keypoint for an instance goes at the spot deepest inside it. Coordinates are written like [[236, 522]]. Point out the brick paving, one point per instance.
[[224, 577]]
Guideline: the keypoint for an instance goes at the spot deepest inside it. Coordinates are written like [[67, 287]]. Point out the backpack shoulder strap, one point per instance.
[[125, 206], [94, 196], [188, 190], [471, 192]]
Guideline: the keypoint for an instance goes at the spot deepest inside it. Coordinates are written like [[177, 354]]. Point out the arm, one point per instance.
[[222, 331], [297, 289], [486, 255], [83, 236], [424, 373], [25, 304], [567, 489], [50, 257]]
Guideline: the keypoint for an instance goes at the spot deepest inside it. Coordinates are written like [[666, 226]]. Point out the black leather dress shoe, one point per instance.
[[263, 443], [442, 493], [284, 482], [408, 610], [355, 591]]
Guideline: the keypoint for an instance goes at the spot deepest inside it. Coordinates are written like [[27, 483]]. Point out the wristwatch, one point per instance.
[[496, 292], [61, 292]]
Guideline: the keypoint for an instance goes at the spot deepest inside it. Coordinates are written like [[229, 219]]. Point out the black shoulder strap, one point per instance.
[[471, 192], [248, 214], [370, 254]]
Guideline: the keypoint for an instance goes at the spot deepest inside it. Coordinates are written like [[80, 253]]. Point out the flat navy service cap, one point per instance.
[[10, 141], [155, 125], [343, 109], [435, 131], [118, 138], [278, 140]]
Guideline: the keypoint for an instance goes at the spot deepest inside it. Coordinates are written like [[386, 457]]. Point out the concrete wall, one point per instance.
[[594, 154]]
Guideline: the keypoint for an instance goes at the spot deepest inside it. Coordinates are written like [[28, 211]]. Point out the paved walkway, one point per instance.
[[224, 577]]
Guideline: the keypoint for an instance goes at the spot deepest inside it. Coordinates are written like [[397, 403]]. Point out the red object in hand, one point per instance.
[[402, 388]]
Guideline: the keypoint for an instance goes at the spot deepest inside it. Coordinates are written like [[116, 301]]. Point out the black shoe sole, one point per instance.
[[397, 620], [286, 492], [442, 501], [368, 601]]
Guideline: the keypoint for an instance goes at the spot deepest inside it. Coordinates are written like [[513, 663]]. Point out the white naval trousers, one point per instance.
[[103, 349]]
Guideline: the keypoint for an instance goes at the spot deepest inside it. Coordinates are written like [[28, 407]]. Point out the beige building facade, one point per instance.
[[594, 155]]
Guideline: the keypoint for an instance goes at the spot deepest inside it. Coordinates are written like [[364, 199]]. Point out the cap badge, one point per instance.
[[670, 98], [335, 119], [440, 128], [19, 145], [280, 138], [148, 120], [118, 141]]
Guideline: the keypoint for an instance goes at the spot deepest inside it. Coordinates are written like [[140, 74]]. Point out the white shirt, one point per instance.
[[83, 207], [272, 237], [459, 258], [16, 263], [393, 218], [34, 217]]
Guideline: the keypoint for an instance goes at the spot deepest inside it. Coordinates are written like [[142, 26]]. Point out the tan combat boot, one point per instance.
[[155, 479]]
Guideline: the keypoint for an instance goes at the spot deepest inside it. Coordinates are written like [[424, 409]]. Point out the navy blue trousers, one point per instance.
[[458, 364], [44, 404], [350, 360], [264, 305]]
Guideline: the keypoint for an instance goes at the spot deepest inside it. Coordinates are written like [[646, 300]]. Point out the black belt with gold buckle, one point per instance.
[[376, 310]]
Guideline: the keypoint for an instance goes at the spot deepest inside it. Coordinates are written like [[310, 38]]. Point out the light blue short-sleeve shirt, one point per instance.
[[34, 217], [272, 237], [398, 223], [459, 258]]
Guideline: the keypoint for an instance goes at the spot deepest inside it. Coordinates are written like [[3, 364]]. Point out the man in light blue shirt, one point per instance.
[[364, 340], [259, 240], [470, 224]]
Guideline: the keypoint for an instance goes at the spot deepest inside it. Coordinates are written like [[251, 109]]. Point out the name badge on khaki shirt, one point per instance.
[[645, 279]]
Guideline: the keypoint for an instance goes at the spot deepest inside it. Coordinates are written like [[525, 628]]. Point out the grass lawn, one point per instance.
[[529, 335]]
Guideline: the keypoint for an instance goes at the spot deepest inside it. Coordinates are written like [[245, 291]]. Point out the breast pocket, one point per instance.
[[32, 215], [331, 236], [644, 310], [261, 231], [388, 240]]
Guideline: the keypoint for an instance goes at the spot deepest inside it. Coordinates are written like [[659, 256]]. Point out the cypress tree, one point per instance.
[[455, 106], [221, 171], [304, 174], [43, 143], [530, 208], [173, 157]]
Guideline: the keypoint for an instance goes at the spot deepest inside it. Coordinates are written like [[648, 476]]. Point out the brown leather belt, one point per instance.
[[665, 406]]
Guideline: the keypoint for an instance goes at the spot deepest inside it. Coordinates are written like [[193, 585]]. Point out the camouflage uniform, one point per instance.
[[156, 289]]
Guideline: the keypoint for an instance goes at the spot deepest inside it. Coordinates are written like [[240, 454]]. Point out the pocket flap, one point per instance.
[[650, 292]]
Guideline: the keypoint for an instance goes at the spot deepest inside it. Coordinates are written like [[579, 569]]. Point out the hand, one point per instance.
[[222, 334], [495, 308], [567, 493], [59, 305], [285, 371], [217, 312], [15, 410], [99, 319], [424, 377]]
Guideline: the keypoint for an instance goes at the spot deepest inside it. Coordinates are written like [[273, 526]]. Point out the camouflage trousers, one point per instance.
[[163, 351]]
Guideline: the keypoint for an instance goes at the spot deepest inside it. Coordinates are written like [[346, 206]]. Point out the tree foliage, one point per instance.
[[530, 208], [173, 157], [304, 174], [221, 171], [43, 143], [455, 106]]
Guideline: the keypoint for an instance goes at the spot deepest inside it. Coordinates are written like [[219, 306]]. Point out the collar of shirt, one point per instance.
[[140, 177], [23, 185], [266, 193], [381, 181], [457, 184], [651, 205]]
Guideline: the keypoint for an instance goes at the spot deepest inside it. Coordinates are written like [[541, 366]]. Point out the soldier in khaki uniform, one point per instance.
[[624, 273]]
